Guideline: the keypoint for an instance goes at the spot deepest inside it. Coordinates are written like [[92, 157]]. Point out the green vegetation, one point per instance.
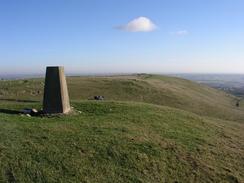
[[160, 90], [152, 129]]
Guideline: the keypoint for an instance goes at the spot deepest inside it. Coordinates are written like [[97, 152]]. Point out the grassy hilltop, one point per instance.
[[153, 89], [151, 129]]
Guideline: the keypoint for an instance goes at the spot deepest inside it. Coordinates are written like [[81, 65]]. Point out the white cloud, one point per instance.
[[140, 24], [180, 33]]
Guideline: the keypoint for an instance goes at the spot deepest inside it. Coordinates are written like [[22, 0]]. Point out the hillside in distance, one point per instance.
[[154, 89]]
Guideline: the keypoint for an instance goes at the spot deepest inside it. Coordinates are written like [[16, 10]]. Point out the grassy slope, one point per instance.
[[123, 141], [162, 90], [119, 142]]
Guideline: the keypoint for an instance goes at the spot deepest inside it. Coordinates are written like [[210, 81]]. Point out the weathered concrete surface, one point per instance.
[[56, 97]]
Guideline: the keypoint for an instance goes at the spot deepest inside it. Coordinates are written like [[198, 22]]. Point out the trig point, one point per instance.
[[56, 97]]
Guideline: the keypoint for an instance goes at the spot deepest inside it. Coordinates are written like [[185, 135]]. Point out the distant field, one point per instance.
[[149, 129]]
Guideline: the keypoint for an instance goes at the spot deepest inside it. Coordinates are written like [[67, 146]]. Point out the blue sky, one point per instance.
[[102, 36]]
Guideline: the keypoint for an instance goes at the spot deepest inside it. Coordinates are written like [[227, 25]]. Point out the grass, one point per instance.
[[160, 90], [135, 139], [119, 142]]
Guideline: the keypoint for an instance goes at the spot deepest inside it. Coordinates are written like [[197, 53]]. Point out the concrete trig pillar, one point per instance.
[[56, 97]]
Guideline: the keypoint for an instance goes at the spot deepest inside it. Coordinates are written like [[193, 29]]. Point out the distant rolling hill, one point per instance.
[[161, 90], [149, 129]]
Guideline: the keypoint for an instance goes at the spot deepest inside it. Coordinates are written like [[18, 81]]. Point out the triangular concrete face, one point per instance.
[[56, 97]]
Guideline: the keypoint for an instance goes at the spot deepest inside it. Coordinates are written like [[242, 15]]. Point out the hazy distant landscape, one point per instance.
[[231, 83]]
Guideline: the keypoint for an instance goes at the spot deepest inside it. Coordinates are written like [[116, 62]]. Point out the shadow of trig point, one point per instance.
[[56, 97]]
